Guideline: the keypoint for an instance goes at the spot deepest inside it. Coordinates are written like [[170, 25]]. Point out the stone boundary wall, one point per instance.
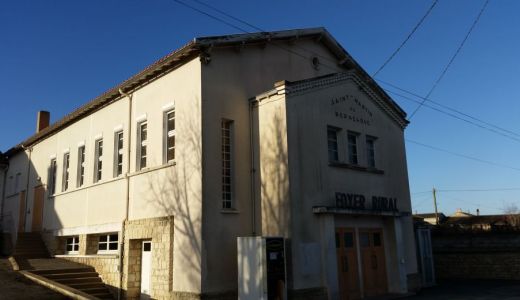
[[476, 255]]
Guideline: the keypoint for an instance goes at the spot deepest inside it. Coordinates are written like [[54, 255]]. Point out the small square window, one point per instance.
[[108, 243], [72, 245]]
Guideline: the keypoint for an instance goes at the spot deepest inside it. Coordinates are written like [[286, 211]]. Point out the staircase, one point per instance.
[[85, 279], [30, 245], [31, 254]]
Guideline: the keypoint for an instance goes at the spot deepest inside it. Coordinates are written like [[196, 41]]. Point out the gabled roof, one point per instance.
[[429, 215], [202, 46]]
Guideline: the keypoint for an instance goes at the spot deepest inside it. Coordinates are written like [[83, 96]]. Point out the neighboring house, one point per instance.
[[262, 134], [431, 218], [484, 222]]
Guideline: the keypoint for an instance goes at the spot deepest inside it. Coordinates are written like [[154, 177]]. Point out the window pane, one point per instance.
[[102, 246], [364, 239], [337, 240], [348, 238], [69, 247], [103, 238], [113, 237], [112, 246], [377, 239]]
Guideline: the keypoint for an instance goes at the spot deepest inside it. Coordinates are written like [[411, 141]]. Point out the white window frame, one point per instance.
[[80, 180], [53, 175], [142, 144], [336, 131], [119, 136], [65, 176], [98, 160], [167, 134], [371, 151], [227, 165], [351, 155], [74, 243], [108, 242]]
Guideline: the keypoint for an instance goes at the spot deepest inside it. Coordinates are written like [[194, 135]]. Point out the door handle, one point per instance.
[[374, 261], [344, 263]]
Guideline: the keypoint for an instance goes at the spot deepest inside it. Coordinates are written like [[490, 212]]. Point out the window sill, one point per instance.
[[229, 211], [343, 165], [108, 255]]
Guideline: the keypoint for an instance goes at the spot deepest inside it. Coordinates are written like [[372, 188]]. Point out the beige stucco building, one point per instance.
[[264, 134]]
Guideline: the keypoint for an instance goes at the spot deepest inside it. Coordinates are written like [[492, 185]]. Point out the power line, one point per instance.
[[406, 39], [457, 117], [305, 57], [463, 155], [452, 59], [481, 190], [448, 108]]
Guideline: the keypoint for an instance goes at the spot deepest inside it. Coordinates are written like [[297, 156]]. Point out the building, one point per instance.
[[263, 134], [430, 218]]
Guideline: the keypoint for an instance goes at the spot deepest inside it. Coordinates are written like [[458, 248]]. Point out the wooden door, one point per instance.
[[21, 213], [346, 253], [373, 262], [37, 218]]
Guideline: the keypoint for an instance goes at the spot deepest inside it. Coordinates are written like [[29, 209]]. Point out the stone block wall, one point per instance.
[[160, 232], [105, 265], [476, 255]]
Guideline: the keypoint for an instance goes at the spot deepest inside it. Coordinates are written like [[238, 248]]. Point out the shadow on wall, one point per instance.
[[178, 193], [25, 201]]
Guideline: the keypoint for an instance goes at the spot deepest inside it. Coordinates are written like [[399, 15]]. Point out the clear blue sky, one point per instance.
[[57, 55]]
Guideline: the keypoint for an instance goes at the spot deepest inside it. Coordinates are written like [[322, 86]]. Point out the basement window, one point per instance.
[[72, 245], [108, 243]]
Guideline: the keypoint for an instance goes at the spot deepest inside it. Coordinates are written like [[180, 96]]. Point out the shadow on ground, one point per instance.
[[471, 290], [13, 285]]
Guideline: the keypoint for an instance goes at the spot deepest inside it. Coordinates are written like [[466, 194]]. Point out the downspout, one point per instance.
[[127, 192], [27, 185], [5, 169], [253, 171]]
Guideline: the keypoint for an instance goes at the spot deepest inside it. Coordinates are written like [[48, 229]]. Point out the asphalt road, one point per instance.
[[471, 290]]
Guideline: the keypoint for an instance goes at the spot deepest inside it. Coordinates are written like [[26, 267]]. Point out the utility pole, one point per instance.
[[435, 205]]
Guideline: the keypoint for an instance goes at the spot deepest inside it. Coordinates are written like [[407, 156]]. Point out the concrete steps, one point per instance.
[[30, 245], [86, 280]]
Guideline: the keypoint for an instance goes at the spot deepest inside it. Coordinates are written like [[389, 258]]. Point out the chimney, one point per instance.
[[43, 120], [478, 212]]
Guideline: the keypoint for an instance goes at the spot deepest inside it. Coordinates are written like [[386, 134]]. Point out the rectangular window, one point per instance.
[[118, 153], [98, 161], [371, 152], [72, 245], [108, 243], [65, 176], [332, 142], [352, 148], [227, 164], [169, 136], [81, 166], [142, 136], [52, 177]]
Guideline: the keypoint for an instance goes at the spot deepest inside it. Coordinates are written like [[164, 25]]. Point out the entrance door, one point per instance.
[[373, 262], [348, 275], [37, 218], [21, 213], [146, 270]]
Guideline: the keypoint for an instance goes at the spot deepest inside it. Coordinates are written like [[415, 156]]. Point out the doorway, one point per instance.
[[37, 219], [373, 262], [347, 264], [146, 270]]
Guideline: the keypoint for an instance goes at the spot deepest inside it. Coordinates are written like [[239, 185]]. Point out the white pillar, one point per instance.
[[400, 251], [328, 255]]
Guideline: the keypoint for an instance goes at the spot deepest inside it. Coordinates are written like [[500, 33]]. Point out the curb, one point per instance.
[[58, 287]]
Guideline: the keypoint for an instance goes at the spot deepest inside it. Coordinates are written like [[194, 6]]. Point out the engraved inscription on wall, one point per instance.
[[350, 108]]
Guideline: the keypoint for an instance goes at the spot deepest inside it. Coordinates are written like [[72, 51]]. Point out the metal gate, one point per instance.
[[424, 250]]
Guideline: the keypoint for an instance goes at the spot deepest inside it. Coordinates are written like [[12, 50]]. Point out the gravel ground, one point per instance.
[[13, 285]]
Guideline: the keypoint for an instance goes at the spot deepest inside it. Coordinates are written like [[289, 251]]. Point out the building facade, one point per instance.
[[263, 134]]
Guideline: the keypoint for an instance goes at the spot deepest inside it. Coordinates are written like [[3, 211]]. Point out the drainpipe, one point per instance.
[[127, 191], [5, 167], [27, 185], [253, 171]]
